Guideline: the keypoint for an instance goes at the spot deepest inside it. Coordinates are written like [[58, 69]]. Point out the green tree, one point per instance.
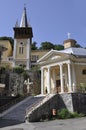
[[58, 47], [77, 45], [33, 46], [46, 46]]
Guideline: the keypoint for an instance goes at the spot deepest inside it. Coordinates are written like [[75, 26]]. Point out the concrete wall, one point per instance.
[[71, 101]]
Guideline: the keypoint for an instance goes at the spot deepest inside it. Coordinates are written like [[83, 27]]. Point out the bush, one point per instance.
[[75, 114], [18, 69], [63, 114]]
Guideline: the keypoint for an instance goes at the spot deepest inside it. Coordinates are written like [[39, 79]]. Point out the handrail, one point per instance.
[[35, 105], [32, 106]]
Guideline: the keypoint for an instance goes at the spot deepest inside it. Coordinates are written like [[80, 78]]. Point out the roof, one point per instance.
[[24, 22], [54, 54], [75, 51]]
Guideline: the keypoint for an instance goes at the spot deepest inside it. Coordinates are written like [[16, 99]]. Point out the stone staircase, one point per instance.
[[40, 108], [18, 111]]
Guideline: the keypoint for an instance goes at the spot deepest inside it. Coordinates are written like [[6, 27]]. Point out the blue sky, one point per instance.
[[51, 20]]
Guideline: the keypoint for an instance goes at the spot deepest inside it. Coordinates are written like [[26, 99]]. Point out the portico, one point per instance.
[[59, 78]]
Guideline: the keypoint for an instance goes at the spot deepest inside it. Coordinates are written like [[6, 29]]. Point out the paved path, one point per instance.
[[69, 124]]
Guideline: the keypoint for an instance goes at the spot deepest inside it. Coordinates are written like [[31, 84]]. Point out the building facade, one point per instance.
[[63, 71]]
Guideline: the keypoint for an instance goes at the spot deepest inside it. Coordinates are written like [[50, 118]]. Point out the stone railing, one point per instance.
[[33, 107]]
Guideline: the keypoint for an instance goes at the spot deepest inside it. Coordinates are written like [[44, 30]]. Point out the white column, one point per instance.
[[69, 78], [42, 79], [48, 82], [54, 80], [61, 78], [74, 78], [66, 79]]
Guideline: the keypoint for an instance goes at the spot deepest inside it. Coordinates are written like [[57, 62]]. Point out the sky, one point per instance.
[[51, 20]]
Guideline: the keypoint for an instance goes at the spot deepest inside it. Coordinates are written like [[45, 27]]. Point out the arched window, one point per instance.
[[84, 71]]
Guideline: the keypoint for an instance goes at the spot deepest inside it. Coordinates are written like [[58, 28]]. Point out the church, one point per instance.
[[63, 71]]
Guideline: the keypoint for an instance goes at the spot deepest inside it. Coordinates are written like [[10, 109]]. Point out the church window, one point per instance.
[[84, 72], [34, 58], [21, 50]]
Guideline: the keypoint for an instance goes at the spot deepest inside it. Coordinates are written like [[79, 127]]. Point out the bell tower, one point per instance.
[[22, 42]]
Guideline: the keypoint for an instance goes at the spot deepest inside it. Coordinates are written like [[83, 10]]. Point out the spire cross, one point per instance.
[[24, 5], [68, 35]]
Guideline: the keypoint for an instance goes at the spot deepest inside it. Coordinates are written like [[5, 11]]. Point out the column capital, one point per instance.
[[60, 64], [69, 62], [48, 67], [42, 68]]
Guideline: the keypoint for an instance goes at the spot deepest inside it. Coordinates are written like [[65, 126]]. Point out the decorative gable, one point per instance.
[[51, 56], [55, 57]]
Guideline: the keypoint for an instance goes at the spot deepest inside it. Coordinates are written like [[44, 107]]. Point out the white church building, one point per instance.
[[63, 71]]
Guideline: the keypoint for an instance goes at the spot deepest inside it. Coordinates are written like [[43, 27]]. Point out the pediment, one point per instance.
[[52, 56]]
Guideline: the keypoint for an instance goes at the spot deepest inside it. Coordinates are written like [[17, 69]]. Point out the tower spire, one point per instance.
[[68, 34], [24, 22]]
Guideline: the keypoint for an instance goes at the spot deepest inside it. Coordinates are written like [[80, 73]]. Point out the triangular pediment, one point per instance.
[[52, 56]]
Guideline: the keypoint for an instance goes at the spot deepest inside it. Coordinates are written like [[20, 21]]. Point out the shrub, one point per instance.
[[75, 114], [63, 114], [18, 69]]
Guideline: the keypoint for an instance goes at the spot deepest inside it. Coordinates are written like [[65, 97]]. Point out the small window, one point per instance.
[[21, 50], [34, 58], [84, 71], [21, 43]]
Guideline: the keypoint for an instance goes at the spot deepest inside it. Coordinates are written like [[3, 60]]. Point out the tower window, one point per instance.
[[21, 50]]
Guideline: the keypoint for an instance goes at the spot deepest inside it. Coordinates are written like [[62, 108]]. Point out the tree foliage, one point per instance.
[[33, 46], [77, 45], [58, 47], [48, 45], [18, 69]]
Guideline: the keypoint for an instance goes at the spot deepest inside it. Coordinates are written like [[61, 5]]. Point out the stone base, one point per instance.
[[71, 101]]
